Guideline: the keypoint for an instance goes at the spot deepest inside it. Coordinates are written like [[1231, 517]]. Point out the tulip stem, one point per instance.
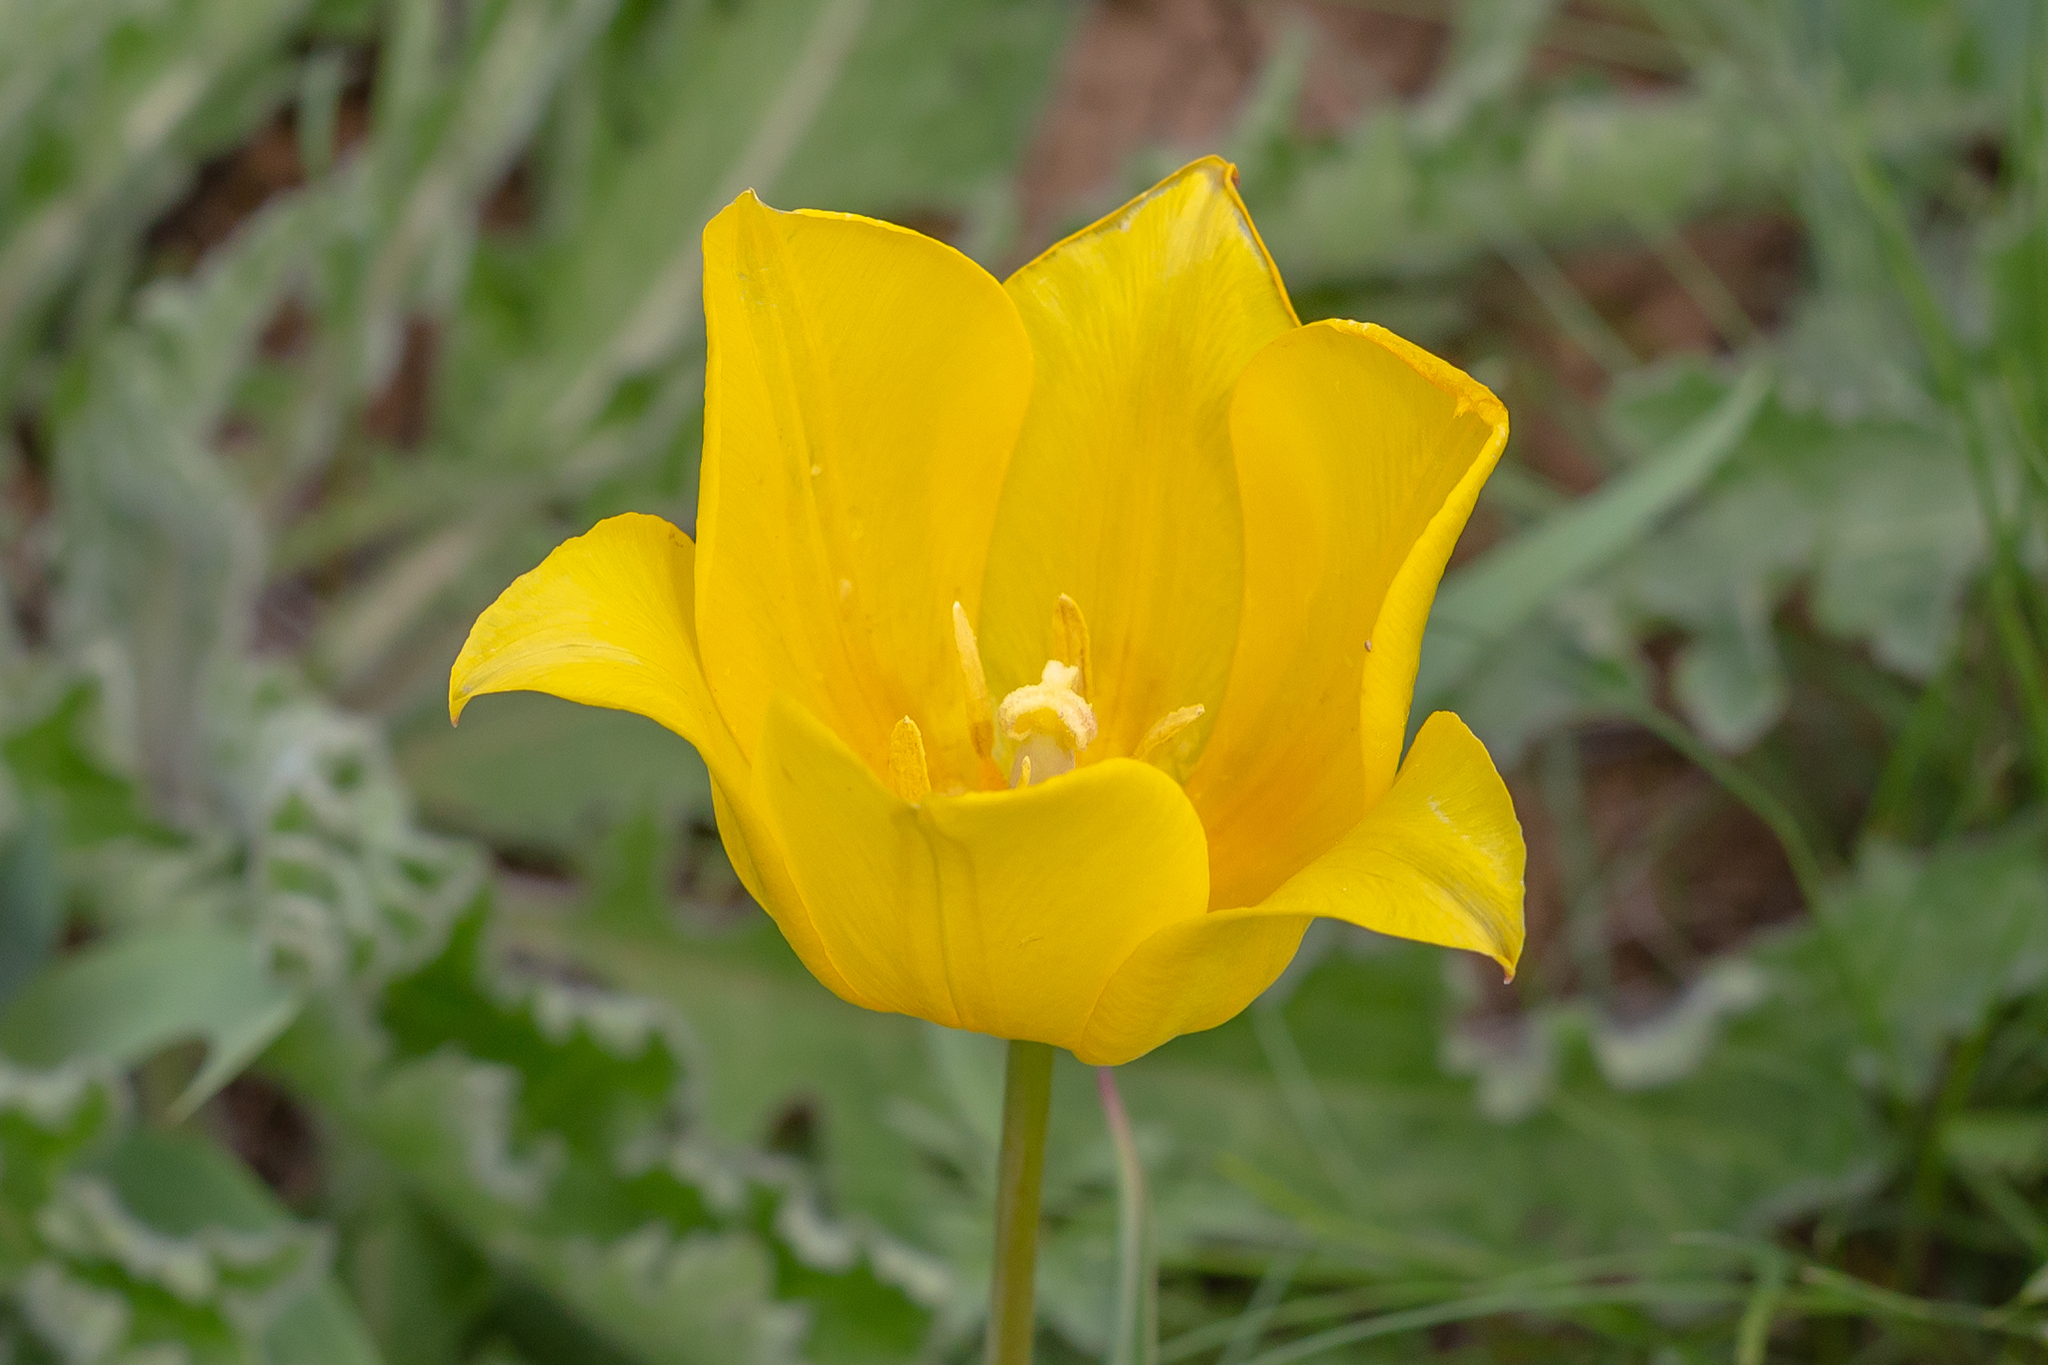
[[1027, 1099]]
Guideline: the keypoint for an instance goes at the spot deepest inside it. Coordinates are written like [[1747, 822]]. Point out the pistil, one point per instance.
[[1045, 726], [1043, 729]]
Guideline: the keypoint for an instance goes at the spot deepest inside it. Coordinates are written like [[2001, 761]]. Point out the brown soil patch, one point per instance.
[[1145, 74]]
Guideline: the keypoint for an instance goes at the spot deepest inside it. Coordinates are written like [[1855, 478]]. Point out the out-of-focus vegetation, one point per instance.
[[333, 1035]]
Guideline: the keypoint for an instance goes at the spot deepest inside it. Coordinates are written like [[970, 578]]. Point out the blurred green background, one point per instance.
[[336, 1036]]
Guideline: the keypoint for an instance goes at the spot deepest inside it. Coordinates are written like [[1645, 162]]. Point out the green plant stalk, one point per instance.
[[2008, 1206], [1753, 1330], [1931, 1169], [1949, 368], [1137, 1281], [1249, 1326], [1563, 786], [1020, 1170], [1889, 804], [1805, 862], [1825, 1293]]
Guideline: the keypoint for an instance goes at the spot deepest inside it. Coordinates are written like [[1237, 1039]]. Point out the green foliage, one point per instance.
[[603, 767], [126, 1001], [557, 1108], [132, 1246]]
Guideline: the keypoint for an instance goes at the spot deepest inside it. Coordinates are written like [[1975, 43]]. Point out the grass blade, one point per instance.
[[1479, 605], [1136, 1340]]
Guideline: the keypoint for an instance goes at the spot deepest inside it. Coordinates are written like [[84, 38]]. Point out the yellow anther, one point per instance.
[[1045, 726], [980, 722], [1164, 729], [908, 777], [1070, 642], [1024, 771]]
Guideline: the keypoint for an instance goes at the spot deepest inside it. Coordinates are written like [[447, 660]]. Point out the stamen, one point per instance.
[[1024, 771], [1070, 642], [1164, 729], [908, 777], [982, 726]]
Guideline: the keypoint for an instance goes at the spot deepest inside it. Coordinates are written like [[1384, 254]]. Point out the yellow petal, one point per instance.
[[863, 391], [1000, 912], [606, 620], [1389, 687], [1191, 975], [1439, 859], [1358, 460], [1121, 494], [765, 874]]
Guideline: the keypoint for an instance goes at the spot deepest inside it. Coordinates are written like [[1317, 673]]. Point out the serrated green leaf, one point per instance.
[[181, 1186], [552, 1127], [54, 758], [49, 1119], [1921, 947], [123, 1002], [107, 1284]]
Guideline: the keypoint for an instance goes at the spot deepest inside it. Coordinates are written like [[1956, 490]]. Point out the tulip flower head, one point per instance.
[[1050, 642]]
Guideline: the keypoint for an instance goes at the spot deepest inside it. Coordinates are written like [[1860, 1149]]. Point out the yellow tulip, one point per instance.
[[1050, 642]]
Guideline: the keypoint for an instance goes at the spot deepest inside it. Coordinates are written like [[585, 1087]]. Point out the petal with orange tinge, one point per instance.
[[1439, 859], [607, 620], [999, 912], [863, 390], [1358, 460], [1121, 494]]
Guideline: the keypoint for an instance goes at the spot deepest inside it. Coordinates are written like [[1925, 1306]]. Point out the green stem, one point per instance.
[[1027, 1098], [1137, 1288], [1763, 803], [1931, 1170]]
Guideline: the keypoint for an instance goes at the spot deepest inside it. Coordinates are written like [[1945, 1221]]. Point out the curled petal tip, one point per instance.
[[604, 620], [747, 201]]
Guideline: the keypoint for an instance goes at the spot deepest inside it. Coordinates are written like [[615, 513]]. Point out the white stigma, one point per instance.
[[1045, 725]]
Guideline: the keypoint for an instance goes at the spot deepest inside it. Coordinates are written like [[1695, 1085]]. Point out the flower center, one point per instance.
[[1040, 730], [1045, 725]]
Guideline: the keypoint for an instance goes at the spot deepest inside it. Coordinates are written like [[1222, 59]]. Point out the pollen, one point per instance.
[[1070, 642], [971, 674], [908, 776], [1043, 727]]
